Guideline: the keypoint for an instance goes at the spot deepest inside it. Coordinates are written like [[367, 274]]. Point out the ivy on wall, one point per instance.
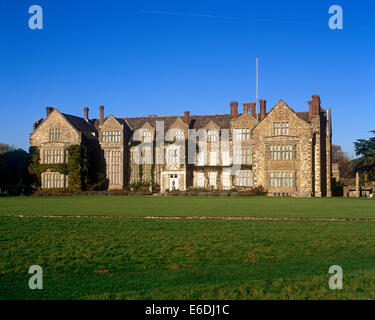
[[82, 173], [75, 169]]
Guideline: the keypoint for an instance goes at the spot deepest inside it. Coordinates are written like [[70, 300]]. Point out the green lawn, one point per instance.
[[189, 206], [185, 259]]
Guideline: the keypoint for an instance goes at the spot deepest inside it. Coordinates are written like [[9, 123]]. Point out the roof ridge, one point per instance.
[[175, 116]]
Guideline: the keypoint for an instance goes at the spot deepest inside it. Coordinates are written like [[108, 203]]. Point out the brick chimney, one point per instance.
[[314, 106], [246, 107], [249, 106], [86, 113], [37, 123], [252, 108], [101, 118], [262, 103], [187, 117], [311, 110], [48, 111], [234, 109]]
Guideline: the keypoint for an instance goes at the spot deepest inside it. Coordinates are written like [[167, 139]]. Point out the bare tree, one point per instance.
[[342, 158], [4, 148]]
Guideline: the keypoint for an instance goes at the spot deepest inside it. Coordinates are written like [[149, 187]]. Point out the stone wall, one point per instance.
[[68, 136], [300, 134], [113, 147], [311, 137]]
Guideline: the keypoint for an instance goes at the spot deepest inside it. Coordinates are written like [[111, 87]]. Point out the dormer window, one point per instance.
[[147, 136], [54, 134], [175, 135], [212, 135], [179, 134], [111, 136]]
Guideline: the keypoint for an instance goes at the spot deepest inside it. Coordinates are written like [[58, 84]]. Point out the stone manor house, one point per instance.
[[286, 152]]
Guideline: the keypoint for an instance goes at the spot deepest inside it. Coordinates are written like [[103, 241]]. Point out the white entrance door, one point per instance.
[[173, 182]]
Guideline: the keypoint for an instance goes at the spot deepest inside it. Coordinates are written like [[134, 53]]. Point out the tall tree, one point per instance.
[[5, 147], [365, 163], [14, 177]]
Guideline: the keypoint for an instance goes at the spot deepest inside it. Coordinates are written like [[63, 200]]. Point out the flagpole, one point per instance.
[[257, 75]]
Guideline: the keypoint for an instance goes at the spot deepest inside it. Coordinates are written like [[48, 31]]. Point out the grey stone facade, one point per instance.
[[286, 152]]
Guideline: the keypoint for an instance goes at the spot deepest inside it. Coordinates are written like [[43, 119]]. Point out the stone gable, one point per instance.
[[300, 134], [68, 136]]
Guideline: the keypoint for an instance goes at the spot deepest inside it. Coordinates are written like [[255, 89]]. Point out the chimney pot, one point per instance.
[[311, 109], [234, 109], [246, 107], [48, 111], [251, 106], [187, 117], [86, 113], [101, 119], [315, 97], [262, 104], [316, 104]]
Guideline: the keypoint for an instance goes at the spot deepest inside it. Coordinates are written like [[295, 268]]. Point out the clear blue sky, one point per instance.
[[164, 57]]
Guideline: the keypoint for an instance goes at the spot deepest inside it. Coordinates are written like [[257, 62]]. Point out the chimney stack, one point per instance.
[[314, 106], [86, 112], [48, 111], [234, 109], [37, 123], [311, 110], [101, 119], [251, 106], [187, 117], [262, 103]]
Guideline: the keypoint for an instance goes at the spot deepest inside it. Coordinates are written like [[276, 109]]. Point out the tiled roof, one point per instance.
[[196, 121], [82, 125], [222, 120], [303, 116]]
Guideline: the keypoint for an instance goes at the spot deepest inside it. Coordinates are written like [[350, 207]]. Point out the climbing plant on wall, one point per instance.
[[82, 174], [74, 168]]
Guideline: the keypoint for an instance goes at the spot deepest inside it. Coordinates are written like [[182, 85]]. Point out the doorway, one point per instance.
[[173, 182]]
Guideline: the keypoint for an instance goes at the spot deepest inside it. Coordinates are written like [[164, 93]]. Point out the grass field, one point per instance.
[[112, 258], [190, 206]]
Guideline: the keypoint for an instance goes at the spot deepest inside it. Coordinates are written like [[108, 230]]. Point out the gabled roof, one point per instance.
[[302, 115], [134, 123], [200, 121], [196, 121], [117, 120], [81, 125]]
